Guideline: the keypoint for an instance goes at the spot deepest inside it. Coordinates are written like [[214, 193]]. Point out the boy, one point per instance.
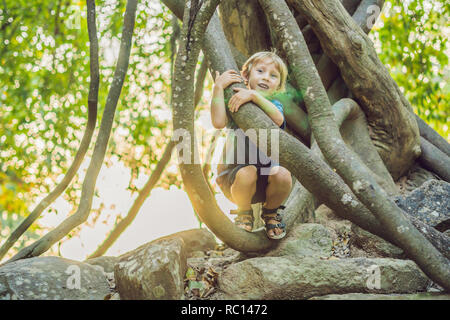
[[265, 74]]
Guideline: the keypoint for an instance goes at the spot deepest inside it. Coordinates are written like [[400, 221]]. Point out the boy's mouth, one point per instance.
[[263, 86]]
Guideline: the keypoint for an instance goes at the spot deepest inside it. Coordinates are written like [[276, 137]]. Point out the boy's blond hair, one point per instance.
[[279, 63]]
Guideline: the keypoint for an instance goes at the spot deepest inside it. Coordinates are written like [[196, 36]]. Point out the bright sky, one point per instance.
[[163, 213]]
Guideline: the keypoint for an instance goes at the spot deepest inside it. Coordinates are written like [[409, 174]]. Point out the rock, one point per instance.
[[362, 243], [303, 278], [373, 245], [194, 239], [197, 254], [429, 203], [415, 177], [337, 226], [204, 267], [218, 263], [107, 263], [154, 271], [308, 239], [369, 296], [52, 278]]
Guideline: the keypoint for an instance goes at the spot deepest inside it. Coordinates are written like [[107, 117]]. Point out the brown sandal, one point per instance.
[[267, 215], [244, 219]]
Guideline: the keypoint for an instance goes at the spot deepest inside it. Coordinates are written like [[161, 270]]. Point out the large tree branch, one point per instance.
[[365, 13], [433, 159], [183, 119], [326, 131], [162, 163], [309, 169], [82, 213], [85, 141], [432, 136], [376, 92]]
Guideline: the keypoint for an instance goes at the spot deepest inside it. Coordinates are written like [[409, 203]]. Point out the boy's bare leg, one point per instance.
[[278, 189], [244, 187]]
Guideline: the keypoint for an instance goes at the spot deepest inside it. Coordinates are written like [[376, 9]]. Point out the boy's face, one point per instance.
[[264, 77]]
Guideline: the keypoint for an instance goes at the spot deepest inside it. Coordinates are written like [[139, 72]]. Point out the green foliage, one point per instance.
[[413, 44], [44, 83]]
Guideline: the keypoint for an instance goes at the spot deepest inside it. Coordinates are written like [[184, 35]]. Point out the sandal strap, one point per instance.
[[244, 217], [244, 222], [274, 210], [272, 214], [242, 212], [269, 216], [275, 226]]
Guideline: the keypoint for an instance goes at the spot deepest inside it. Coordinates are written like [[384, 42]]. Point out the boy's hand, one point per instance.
[[228, 77], [241, 97]]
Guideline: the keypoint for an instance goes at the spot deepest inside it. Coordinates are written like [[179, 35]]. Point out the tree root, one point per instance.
[[433, 159]]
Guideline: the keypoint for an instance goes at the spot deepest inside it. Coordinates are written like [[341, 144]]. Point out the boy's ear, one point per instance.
[[244, 76]]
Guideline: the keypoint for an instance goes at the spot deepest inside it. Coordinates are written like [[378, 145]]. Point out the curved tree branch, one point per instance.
[[82, 213], [432, 136], [153, 179], [137, 204], [326, 131], [315, 175], [183, 121], [328, 71], [85, 141], [200, 81], [156, 174], [369, 81], [433, 159]]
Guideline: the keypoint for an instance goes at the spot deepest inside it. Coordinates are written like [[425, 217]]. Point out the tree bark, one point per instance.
[[245, 28], [433, 159], [432, 136], [326, 131], [200, 81], [314, 174], [82, 213], [394, 130], [183, 121]]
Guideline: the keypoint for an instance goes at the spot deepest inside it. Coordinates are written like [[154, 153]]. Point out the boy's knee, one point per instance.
[[246, 176], [280, 176]]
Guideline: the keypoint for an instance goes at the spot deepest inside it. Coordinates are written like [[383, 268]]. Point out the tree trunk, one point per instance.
[[321, 15], [393, 127], [314, 174]]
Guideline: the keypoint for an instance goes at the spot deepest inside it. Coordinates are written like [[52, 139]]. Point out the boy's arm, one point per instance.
[[269, 108], [219, 116], [245, 95]]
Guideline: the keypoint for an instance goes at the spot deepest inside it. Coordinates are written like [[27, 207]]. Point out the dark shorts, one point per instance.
[[226, 180]]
